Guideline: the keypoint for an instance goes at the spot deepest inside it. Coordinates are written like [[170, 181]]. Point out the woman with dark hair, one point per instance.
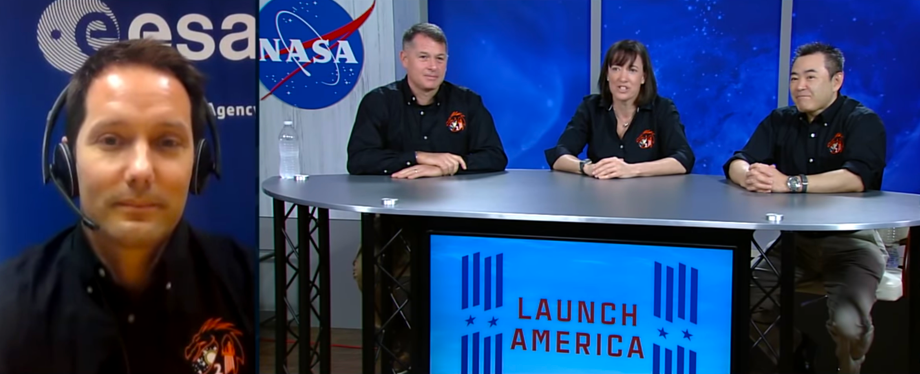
[[629, 129]]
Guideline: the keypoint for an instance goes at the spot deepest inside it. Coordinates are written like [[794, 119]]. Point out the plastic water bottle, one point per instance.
[[289, 149], [890, 239]]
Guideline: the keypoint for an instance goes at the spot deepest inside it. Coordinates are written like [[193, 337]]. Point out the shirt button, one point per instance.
[[422, 112], [425, 137], [408, 163], [825, 124], [811, 160], [131, 318], [385, 171], [621, 146], [168, 285], [89, 289], [102, 272], [812, 135]]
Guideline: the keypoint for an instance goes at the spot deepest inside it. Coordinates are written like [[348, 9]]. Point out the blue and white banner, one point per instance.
[[514, 305], [46, 41]]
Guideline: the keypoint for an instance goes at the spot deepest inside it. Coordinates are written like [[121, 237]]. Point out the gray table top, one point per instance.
[[540, 195]]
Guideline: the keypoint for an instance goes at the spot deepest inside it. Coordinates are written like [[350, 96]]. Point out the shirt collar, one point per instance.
[[608, 105], [409, 97], [173, 271], [827, 116]]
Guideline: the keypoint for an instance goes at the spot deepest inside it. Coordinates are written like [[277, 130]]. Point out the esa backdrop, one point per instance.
[[719, 60], [48, 40]]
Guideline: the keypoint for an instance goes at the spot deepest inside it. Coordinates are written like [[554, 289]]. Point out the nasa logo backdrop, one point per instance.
[[310, 52], [47, 41]]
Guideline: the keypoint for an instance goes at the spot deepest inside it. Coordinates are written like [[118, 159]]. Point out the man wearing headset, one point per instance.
[[132, 288]]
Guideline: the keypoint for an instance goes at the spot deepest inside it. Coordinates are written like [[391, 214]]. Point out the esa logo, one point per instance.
[[71, 30], [310, 52]]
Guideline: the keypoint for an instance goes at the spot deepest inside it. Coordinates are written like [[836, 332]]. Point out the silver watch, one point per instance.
[[794, 183]]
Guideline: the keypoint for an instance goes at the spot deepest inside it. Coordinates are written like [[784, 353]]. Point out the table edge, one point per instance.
[[725, 225]]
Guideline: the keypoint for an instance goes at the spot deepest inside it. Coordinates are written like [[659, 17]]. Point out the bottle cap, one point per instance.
[[774, 217]]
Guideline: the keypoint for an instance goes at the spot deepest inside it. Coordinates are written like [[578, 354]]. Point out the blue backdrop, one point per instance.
[[30, 212], [718, 60], [530, 61]]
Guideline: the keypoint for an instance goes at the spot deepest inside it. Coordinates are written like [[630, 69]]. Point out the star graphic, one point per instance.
[[493, 321], [470, 320], [662, 333], [687, 334]]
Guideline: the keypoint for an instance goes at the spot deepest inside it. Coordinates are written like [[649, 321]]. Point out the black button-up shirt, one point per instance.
[[60, 311], [654, 133], [390, 127], [846, 135]]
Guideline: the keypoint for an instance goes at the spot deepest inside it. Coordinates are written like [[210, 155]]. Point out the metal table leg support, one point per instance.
[[767, 278], [787, 304], [280, 286], [313, 285], [368, 306], [741, 300], [325, 293], [385, 245], [913, 299]]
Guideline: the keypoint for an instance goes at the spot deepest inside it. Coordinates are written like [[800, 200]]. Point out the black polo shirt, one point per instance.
[[846, 135], [60, 311], [655, 133], [390, 127]]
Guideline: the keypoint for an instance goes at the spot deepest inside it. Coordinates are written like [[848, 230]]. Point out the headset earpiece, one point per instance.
[[203, 167], [207, 160], [63, 170]]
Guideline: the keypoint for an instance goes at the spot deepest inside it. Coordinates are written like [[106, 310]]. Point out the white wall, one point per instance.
[[325, 134]]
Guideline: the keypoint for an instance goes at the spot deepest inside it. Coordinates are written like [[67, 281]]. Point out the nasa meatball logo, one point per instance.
[[310, 51], [71, 30]]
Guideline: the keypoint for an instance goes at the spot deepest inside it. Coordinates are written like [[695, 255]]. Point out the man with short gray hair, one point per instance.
[[422, 126]]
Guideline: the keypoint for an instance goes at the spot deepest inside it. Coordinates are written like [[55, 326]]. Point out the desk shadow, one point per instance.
[[727, 183], [376, 179], [866, 194], [478, 176]]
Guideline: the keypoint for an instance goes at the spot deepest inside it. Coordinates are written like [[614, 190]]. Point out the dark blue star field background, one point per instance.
[[718, 60], [528, 59]]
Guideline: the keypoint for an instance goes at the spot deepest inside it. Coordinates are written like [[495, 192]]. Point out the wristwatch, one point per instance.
[[581, 166], [794, 183]]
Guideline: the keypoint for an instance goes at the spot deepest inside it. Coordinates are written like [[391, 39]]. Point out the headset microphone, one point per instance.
[[86, 221], [62, 168]]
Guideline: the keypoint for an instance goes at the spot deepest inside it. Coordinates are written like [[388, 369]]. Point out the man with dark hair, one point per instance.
[[421, 126], [134, 288], [825, 143]]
